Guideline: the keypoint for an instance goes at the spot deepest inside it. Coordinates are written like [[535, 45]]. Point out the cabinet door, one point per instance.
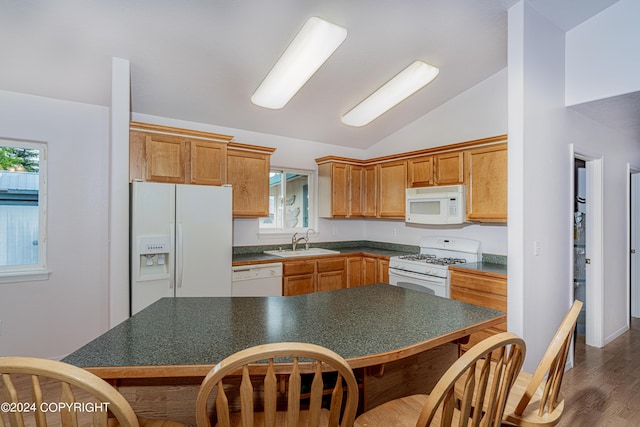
[[354, 271], [331, 274], [339, 189], [383, 270], [370, 191], [208, 162], [298, 285], [449, 168], [392, 184], [356, 187], [369, 270], [165, 158], [487, 183], [248, 174], [420, 171]]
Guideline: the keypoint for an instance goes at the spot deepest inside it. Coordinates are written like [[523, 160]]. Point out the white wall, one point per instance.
[[539, 166], [54, 317], [602, 54], [478, 112]]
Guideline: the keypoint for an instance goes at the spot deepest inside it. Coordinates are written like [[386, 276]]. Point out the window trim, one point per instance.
[[313, 216], [39, 271]]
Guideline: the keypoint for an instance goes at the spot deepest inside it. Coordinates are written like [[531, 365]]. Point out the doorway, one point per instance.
[[587, 244], [634, 243], [579, 240]]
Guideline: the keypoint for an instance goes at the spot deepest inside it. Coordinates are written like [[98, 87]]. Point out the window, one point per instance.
[[22, 210], [290, 199]]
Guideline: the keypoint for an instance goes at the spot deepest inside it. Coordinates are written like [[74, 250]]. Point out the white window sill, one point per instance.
[[24, 276], [279, 234]]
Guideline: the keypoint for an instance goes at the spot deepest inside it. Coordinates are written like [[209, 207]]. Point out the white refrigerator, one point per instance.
[[180, 242]]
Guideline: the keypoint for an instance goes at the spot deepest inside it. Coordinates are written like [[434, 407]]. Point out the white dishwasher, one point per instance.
[[258, 280]]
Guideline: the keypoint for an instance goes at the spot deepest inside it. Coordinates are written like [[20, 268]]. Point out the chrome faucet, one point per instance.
[[294, 241], [306, 238]]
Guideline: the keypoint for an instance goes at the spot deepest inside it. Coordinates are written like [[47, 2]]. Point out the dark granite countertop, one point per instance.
[[367, 325], [484, 267], [372, 248]]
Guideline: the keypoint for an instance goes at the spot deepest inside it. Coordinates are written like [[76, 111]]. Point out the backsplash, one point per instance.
[[244, 250], [494, 259]]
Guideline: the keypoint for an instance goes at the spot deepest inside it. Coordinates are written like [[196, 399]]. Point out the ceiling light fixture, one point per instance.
[[404, 84], [312, 46]]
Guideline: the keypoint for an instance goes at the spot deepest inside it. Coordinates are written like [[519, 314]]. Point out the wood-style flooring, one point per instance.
[[603, 389]]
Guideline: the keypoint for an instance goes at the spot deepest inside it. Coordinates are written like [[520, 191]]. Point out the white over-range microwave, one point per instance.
[[436, 205]]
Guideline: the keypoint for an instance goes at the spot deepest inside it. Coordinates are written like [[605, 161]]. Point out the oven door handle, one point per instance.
[[418, 276]]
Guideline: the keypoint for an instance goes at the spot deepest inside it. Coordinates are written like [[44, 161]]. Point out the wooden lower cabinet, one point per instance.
[[331, 274], [480, 288], [313, 275], [365, 270]]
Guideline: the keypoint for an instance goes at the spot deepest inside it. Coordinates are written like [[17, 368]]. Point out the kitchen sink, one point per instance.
[[286, 253]]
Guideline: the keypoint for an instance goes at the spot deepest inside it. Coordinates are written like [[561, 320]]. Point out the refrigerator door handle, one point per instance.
[[179, 263], [172, 232]]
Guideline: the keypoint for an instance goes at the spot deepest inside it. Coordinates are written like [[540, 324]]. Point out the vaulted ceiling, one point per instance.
[[201, 60]]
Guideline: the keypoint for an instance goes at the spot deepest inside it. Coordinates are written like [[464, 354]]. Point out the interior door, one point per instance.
[[635, 245]]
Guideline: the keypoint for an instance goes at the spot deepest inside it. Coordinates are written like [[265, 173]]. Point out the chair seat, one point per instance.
[[397, 413], [281, 419]]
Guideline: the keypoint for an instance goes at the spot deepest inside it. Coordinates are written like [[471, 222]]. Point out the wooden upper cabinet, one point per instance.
[[356, 188], [248, 174], [370, 191], [438, 169], [392, 184], [181, 156], [420, 171], [208, 162], [486, 170], [448, 168], [166, 158], [340, 187]]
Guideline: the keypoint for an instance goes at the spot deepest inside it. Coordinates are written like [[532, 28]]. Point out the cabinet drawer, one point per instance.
[[496, 302], [333, 264], [298, 267], [479, 283]]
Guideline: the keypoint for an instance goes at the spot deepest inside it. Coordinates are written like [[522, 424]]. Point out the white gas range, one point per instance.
[[428, 271]]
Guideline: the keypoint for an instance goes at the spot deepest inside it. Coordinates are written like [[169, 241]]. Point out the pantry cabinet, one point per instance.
[[248, 173], [483, 289], [486, 171]]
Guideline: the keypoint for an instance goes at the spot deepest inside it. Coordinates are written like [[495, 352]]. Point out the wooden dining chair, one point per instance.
[[70, 394], [279, 384], [480, 389], [535, 398]]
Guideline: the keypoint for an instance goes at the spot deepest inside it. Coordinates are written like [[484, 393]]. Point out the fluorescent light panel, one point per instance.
[[404, 84], [312, 46]]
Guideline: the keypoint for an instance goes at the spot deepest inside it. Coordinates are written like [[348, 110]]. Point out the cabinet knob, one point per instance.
[[587, 261], [633, 251]]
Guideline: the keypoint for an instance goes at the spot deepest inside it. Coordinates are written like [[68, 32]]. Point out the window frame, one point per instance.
[[38, 271], [275, 232]]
